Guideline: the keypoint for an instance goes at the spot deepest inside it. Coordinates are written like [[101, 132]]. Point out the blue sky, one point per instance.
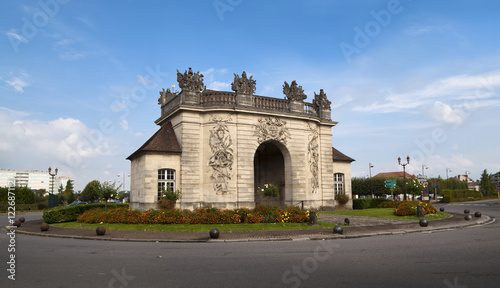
[[79, 80]]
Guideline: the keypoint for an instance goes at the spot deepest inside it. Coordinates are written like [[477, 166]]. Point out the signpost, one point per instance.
[[390, 184], [498, 192], [435, 191]]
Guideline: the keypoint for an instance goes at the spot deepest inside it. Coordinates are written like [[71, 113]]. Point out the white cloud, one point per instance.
[[65, 140], [445, 113], [17, 84], [211, 74], [342, 101], [146, 81], [469, 89], [219, 86], [124, 124], [66, 48]]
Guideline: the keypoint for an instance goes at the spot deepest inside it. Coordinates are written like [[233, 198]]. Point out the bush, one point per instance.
[[368, 203], [360, 203], [261, 214], [21, 207], [446, 199], [389, 204], [71, 213], [461, 195], [342, 198], [169, 198], [410, 208]]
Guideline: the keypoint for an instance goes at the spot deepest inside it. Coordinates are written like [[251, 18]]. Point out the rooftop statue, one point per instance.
[[320, 100], [243, 85], [294, 92], [189, 81]]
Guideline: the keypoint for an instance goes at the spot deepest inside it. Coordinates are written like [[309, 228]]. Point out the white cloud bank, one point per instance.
[[65, 140], [471, 91]]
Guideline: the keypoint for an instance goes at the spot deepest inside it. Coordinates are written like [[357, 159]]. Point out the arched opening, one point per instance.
[[269, 168]]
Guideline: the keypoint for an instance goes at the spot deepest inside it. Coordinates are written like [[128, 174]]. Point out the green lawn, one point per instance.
[[385, 213], [196, 228]]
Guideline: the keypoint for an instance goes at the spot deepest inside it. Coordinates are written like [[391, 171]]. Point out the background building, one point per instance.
[[36, 180]]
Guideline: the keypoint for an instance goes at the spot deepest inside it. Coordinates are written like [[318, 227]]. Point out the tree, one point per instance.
[[60, 189], [91, 192], [68, 196], [24, 195], [362, 186], [108, 190], [485, 186], [413, 186]]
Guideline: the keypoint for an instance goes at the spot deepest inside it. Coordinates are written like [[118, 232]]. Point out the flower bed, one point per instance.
[[410, 208], [261, 214]]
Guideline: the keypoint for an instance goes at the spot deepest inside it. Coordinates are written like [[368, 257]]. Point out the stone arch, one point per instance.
[[272, 165]]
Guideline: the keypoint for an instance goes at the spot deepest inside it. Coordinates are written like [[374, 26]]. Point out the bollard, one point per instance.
[[420, 211], [312, 218]]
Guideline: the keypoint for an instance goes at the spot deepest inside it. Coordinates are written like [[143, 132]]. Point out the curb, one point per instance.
[[486, 221]]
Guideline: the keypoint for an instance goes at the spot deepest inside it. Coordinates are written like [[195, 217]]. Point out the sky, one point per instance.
[[79, 80]]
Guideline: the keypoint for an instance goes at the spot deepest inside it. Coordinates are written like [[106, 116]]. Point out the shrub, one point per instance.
[[368, 203], [375, 202], [461, 195], [21, 207], [261, 214], [342, 198], [71, 213], [269, 190], [169, 198], [389, 204], [360, 203], [410, 208]]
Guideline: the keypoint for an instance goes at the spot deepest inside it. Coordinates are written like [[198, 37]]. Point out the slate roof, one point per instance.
[[393, 174], [164, 140], [339, 156]]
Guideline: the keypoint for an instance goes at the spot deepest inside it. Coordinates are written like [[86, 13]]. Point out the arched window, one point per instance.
[[338, 183], [166, 180]]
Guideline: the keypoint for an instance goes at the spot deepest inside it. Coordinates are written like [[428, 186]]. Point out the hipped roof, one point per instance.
[[164, 140], [394, 174], [339, 156]]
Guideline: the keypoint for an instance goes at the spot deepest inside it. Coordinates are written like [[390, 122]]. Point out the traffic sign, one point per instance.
[[390, 182], [390, 185], [435, 185], [498, 186]]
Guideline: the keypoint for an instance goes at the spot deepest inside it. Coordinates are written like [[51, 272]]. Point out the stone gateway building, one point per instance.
[[219, 148]]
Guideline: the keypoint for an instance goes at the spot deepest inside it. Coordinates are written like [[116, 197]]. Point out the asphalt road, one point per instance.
[[459, 258]]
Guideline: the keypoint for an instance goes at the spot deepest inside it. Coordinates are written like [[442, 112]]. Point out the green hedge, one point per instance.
[[367, 203], [4, 208], [461, 195], [71, 213]]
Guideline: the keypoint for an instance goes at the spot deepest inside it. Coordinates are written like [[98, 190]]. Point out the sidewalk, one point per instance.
[[360, 227]]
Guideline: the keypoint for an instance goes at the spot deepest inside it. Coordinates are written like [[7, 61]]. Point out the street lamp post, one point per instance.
[[423, 181], [447, 184], [404, 173], [51, 193], [123, 175], [424, 166], [370, 166]]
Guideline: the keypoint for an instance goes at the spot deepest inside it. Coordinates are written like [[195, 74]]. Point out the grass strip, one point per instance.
[[195, 227], [386, 213]]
